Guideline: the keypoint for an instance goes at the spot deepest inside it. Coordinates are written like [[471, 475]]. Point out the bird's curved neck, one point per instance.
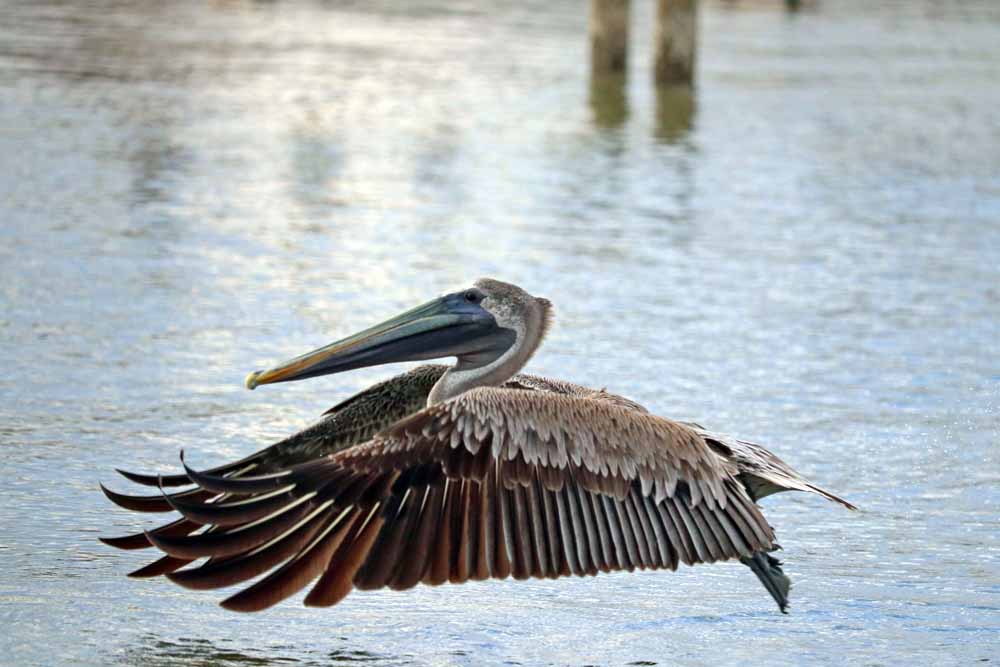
[[464, 376]]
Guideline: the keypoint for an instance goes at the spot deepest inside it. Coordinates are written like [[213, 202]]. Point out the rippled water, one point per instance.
[[805, 252]]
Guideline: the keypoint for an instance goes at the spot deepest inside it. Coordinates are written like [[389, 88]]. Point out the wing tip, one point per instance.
[[134, 503], [246, 604], [162, 566], [835, 498], [153, 480], [126, 542], [166, 544]]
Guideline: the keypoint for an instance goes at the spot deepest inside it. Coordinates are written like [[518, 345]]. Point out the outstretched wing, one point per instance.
[[760, 470], [348, 423], [494, 483]]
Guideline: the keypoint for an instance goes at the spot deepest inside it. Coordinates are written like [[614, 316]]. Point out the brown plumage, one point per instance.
[[435, 476]]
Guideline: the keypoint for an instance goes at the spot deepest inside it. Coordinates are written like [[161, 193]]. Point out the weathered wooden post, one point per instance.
[[608, 61], [676, 41], [608, 36]]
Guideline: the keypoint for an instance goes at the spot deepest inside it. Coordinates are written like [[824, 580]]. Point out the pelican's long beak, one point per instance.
[[445, 327]]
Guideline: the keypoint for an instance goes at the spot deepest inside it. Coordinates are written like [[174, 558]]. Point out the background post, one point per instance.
[[676, 41], [608, 36]]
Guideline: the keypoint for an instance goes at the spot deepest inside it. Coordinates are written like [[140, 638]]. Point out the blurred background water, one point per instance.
[[804, 251]]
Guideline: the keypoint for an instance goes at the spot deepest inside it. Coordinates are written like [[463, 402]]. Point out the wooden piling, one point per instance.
[[608, 36], [676, 41]]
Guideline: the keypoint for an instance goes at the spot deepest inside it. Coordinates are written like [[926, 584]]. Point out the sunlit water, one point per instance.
[[805, 252]]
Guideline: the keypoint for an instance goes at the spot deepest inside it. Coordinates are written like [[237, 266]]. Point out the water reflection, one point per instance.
[[153, 651], [158, 160], [675, 110], [318, 158], [197, 190], [437, 178], [608, 100], [88, 46], [156, 652]]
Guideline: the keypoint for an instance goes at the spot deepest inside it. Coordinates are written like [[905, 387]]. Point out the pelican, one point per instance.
[[469, 472]]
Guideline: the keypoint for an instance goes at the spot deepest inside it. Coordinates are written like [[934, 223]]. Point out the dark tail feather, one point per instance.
[[768, 570]]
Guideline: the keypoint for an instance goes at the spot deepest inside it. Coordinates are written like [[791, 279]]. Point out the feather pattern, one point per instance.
[[538, 478]]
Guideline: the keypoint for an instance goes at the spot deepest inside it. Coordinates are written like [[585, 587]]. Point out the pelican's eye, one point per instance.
[[472, 296]]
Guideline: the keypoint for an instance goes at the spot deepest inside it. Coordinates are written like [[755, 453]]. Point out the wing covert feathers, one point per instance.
[[492, 484], [604, 445], [761, 471]]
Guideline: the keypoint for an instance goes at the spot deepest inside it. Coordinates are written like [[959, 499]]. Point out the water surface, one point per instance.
[[804, 251]]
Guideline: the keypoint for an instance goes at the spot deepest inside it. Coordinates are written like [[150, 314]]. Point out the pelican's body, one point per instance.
[[467, 472]]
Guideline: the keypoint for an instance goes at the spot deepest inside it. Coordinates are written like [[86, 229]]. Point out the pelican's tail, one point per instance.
[[768, 570]]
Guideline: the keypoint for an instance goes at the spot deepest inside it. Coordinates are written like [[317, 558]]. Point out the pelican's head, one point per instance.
[[477, 325]]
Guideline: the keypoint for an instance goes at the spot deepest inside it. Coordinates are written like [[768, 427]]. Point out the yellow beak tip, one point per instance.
[[251, 380]]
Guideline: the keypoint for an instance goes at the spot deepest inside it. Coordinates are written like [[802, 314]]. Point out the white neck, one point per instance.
[[529, 334]]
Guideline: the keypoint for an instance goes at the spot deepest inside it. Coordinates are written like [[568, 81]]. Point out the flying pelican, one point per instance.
[[470, 472]]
